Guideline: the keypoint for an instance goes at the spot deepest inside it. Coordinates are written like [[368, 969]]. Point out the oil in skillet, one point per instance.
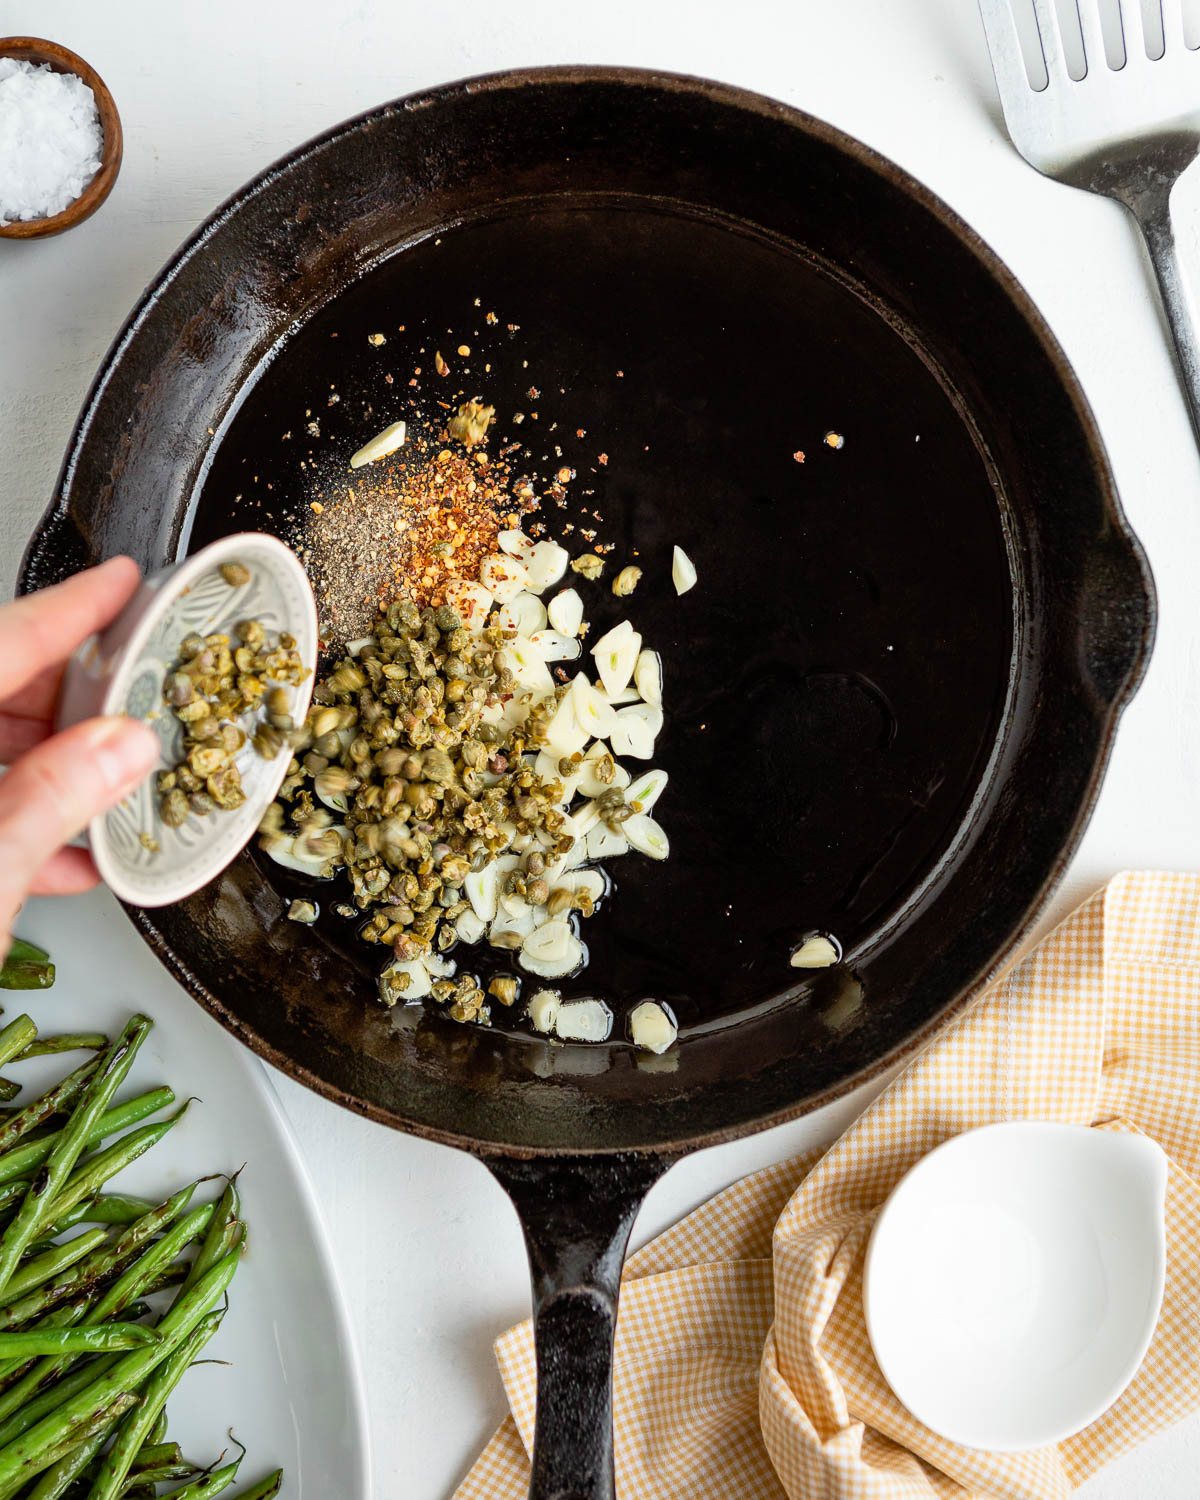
[[834, 682]]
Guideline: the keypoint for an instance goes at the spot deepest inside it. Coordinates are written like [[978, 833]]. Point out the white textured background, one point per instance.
[[210, 93]]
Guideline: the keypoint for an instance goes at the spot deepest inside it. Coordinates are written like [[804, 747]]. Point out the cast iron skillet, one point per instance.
[[892, 695]]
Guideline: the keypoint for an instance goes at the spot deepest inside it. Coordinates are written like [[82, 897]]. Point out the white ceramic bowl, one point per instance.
[[122, 671], [1014, 1278]]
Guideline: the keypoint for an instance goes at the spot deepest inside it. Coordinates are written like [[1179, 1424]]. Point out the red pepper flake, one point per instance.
[[603, 460], [799, 455], [439, 363]]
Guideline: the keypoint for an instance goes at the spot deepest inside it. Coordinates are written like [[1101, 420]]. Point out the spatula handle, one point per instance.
[[1153, 213]]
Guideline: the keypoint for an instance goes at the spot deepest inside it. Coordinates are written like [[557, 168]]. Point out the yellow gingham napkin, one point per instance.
[[743, 1369]]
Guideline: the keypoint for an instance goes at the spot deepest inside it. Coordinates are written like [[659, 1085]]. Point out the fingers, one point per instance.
[[54, 791], [19, 734], [39, 631], [65, 874]]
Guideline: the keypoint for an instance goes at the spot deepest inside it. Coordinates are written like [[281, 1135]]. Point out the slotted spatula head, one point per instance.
[[1079, 130]]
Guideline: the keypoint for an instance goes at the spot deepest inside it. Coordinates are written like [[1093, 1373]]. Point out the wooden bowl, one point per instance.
[[34, 50]]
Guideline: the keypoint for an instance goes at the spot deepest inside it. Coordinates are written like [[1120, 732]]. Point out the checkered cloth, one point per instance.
[[743, 1369]]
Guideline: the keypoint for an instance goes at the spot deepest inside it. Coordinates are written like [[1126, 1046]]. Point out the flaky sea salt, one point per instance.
[[50, 139]]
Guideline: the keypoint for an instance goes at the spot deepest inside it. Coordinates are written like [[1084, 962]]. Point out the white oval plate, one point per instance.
[[1014, 1278], [292, 1391]]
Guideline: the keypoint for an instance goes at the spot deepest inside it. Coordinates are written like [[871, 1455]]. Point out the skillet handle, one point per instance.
[[577, 1213], [1117, 617]]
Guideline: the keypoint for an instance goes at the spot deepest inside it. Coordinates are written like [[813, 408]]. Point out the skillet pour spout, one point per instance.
[[956, 608]]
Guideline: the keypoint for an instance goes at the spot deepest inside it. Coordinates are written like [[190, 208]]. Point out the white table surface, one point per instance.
[[210, 93]]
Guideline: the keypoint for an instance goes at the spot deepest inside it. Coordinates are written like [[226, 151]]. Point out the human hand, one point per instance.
[[57, 783]]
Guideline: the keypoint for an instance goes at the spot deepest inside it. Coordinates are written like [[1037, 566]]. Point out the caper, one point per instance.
[[559, 901], [325, 721], [503, 988], [507, 940], [178, 690], [174, 809], [235, 574], [268, 741]]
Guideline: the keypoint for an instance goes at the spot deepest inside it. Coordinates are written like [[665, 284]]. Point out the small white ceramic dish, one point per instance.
[[1014, 1278], [122, 672]]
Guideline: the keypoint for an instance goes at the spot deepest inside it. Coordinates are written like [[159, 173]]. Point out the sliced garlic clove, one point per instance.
[[419, 980], [470, 601], [575, 855], [380, 446], [607, 843], [647, 676], [564, 734], [626, 695], [616, 654], [683, 571], [294, 854], [593, 713], [646, 836], [521, 922], [339, 801], [556, 647], [583, 1021], [652, 1026], [524, 613], [546, 766], [647, 789], [503, 577], [551, 950], [527, 665], [470, 927], [439, 965], [555, 865], [543, 1009], [635, 729], [589, 783], [818, 952], [482, 890], [354, 647], [546, 564], [584, 819], [594, 882], [565, 612], [551, 941], [515, 543]]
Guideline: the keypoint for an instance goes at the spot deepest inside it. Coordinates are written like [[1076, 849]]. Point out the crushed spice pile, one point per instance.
[[409, 526]]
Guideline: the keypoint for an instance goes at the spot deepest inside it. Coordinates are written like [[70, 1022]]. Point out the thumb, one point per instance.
[[55, 790]]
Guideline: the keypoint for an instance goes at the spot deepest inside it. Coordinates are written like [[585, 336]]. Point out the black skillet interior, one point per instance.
[[891, 694]]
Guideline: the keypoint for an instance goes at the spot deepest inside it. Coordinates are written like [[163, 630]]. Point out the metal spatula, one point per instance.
[[1127, 132]]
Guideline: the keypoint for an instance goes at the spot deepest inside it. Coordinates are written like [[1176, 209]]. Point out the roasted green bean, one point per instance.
[[127, 1374], [133, 1430], [23, 1160]]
